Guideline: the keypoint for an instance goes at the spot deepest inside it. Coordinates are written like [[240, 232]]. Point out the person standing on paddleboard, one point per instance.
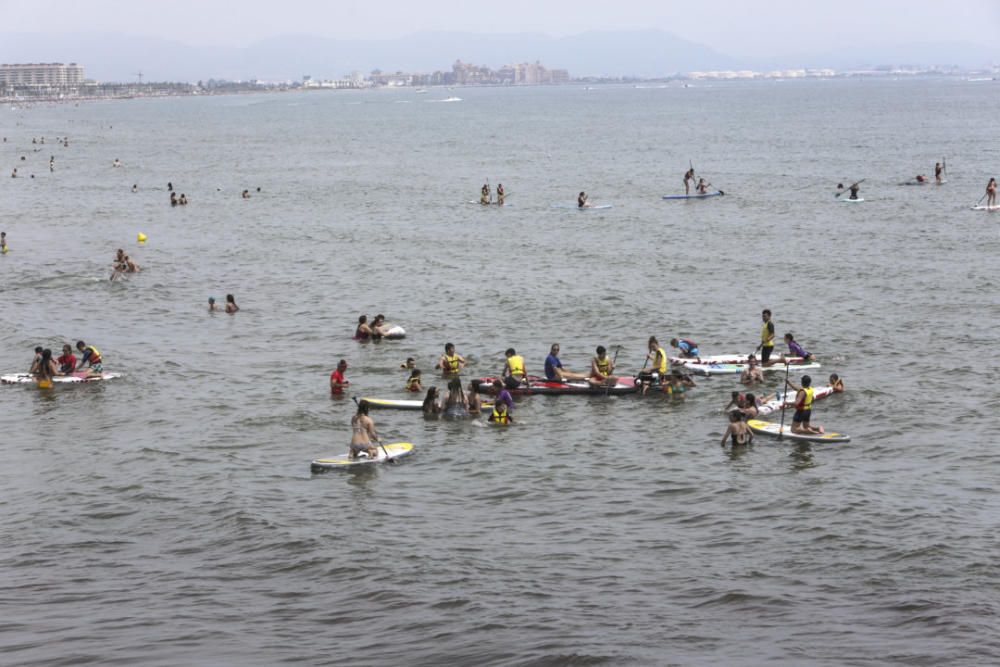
[[688, 179], [600, 369], [766, 338], [500, 194], [803, 407], [937, 173], [854, 191], [363, 434], [991, 193]]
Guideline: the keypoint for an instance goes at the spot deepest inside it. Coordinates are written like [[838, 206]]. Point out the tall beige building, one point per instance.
[[41, 74]]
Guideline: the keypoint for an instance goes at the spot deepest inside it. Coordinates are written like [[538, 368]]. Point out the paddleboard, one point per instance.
[[591, 207], [504, 205], [724, 359], [79, 376], [853, 201], [397, 450], [695, 196], [404, 404], [540, 385], [986, 208], [733, 369], [788, 398], [775, 430]]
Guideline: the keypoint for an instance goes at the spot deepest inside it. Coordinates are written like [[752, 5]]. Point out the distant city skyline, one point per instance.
[[734, 27]]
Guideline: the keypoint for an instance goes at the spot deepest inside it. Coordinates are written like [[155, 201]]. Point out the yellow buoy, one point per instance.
[[141, 237]]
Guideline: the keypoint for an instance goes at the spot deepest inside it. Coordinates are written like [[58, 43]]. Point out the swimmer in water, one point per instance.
[[211, 305], [231, 306], [3, 243]]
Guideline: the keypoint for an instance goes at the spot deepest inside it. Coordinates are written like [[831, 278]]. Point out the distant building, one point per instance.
[[41, 74]]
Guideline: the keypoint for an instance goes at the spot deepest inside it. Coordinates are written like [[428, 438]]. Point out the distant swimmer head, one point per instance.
[[230, 298], [806, 381], [211, 299], [510, 352]]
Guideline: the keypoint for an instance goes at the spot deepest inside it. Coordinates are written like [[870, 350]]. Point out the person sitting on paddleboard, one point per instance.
[[991, 193], [431, 407], [337, 379], [450, 363], [66, 361], [688, 179], [837, 383], [554, 371], [600, 369], [502, 395], [455, 402], [363, 332], [500, 194], [686, 348], [658, 359], [738, 430], [766, 338], [363, 434], [413, 382], [484, 194], [581, 200], [752, 373], [702, 186], [513, 373], [803, 407], [796, 350], [91, 357]]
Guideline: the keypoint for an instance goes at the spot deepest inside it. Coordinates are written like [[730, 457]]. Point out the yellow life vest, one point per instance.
[[500, 416], [451, 364], [516, 364], [411, 383], [662, 368], [95, 356], [807, 401], [766, 338], [603, 365]]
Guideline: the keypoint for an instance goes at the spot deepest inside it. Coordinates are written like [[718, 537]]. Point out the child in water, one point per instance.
[[836, 383], [413, 382]]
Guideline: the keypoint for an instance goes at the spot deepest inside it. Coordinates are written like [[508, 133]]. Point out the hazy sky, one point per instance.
[[738, 27]]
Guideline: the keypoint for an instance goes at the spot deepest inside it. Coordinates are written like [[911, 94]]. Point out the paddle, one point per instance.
[[709, 185], [849, 189], [378, 440], [607, 388], [781, 429], [981, 199]]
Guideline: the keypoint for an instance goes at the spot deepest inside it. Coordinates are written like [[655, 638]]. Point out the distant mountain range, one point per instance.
[[641, 53]]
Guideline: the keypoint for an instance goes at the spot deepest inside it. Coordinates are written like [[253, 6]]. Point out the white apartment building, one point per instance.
[[41, 74]]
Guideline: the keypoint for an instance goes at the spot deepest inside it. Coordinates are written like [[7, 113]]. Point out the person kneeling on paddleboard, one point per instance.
[[702, 187], [796, 350], [513, 373], [600, 369], [658, 357], [803, 407], [362, 434], [91, 357], [686, 348]]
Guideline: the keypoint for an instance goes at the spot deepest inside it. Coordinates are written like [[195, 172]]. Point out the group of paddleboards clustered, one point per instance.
[[661, 374]]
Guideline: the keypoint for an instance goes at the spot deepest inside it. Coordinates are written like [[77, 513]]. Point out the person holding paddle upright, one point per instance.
[[688, 179], [991, 193], [937, 173]]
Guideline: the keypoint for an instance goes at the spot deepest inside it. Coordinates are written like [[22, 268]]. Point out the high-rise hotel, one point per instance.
[[41, 74]]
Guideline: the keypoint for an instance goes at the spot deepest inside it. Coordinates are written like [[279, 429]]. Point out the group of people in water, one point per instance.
[[123, 264], [44, 367], [374, 330]]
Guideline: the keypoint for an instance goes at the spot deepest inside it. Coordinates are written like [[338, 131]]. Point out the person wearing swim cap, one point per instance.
[[337, 379]]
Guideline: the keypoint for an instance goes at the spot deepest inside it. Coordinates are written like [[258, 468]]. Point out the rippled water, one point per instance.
[[170, 517]]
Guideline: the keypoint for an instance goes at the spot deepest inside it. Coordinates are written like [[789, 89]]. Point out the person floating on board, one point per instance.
[[231, 306], [688, 179], [500, 194], [921, 178], [738, 430], [702, 186], [837, 383], [337, 379], [766, 338], [484, 194], [554, 371], [686, 348], [991, 193], [581, 200], [450, 363], [430, 406], [500, 415], [90, 356], [364, 331], [363, 434], [413, 382], [751, 406], [752, 373], [803, 407], [658, 365], [938, 170], [513, 373], [796, 350], [600, 369], [66, 361]]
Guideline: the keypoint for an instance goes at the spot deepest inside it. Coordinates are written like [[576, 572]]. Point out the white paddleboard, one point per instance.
[[733, 369], [788, 398], [724, 359], [397, 450], [986, 208], [589, 207], [776, 430], [853, 201], [492, 203], [394, 332], [407, 404], [27, 378]]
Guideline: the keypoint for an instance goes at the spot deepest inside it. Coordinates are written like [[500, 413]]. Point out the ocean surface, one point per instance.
[[170, 517]]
